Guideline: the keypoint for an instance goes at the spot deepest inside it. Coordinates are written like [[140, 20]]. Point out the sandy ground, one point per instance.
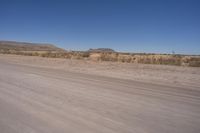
[[158, 74], [43, 95]]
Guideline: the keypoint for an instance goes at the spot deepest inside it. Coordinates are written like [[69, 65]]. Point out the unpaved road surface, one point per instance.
[[44, 100]]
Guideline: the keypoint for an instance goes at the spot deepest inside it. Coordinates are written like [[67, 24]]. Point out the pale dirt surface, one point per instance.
[[43, 95], [159, 74]]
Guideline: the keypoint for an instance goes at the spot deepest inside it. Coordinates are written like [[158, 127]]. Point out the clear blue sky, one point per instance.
[[160, 26]]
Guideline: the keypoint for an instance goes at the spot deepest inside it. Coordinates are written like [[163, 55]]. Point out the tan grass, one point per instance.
[[165, 59]]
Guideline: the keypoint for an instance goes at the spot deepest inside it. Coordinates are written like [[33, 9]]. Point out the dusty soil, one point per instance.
[[44, 95], [159, 74]]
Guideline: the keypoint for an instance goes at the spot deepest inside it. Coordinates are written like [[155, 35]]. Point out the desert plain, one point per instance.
[[52, 95]]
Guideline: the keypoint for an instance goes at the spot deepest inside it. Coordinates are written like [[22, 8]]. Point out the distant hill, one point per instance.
[[101, 50], [24, 46]]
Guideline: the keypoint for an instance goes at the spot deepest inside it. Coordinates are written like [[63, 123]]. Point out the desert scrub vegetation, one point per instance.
[[165, 59], [193, 61]]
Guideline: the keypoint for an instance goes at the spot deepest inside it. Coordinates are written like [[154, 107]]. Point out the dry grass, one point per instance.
[[166, 59]]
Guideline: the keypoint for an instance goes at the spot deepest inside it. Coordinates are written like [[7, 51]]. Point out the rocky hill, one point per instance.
[[24, 46], [101, 50]]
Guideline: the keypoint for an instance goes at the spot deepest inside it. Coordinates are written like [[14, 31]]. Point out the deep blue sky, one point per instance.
[[160, 26]]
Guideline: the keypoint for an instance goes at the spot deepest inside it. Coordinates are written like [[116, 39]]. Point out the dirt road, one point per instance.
[[44, 100]]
